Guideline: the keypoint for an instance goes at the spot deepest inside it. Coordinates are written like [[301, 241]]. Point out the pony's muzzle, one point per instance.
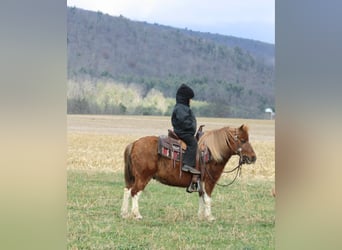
[[248, 160]]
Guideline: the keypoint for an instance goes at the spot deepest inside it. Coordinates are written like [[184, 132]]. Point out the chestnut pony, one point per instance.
[[142, 163]]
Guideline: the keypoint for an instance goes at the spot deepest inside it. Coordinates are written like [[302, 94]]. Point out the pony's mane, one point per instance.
[[217, 142]]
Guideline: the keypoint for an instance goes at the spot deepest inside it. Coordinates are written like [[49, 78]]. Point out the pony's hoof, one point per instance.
[[138, 217], [125, 215], [210, 218]]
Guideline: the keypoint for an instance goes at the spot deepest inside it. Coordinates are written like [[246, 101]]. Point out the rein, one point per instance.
[[238, 167], [238, 172]]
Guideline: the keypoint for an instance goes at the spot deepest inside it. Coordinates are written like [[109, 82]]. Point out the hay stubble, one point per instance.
[[98, 142]]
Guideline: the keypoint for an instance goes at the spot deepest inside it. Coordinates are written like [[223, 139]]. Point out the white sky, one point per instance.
[[253, 19]]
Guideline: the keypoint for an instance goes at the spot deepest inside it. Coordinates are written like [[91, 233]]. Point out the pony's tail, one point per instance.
[[129, 178]]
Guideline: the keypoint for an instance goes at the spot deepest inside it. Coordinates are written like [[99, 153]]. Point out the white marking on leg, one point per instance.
[[201, 208], [125, 203], [201, 205], [207, 207], [135, 206]]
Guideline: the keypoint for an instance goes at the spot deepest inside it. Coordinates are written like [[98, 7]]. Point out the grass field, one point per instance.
[[244, 211]]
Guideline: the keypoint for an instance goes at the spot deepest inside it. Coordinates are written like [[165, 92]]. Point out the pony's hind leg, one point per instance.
[[136, 191], [135, 206], [125, 203]]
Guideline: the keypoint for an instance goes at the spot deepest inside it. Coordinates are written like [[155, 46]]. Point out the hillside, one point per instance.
[[235, 75]]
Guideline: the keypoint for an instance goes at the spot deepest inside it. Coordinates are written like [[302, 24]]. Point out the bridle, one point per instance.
[[238, 151]]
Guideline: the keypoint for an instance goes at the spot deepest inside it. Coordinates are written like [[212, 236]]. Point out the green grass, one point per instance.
[[244, 211]]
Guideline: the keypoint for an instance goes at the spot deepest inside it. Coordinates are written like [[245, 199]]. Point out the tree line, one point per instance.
[[130, 67], [122, 99]]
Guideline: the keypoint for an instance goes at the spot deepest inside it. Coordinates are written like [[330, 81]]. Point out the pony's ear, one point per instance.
[[244, 127]]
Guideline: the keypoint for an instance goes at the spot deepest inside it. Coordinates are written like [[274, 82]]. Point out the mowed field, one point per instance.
[[244, 211]]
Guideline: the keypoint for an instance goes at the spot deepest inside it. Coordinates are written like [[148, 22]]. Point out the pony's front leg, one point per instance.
[[204, 211], [135, 206], [125, 203]]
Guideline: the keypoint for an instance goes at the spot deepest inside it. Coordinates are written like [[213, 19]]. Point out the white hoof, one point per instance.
[[125, 215], [138, 217], [210, 218]]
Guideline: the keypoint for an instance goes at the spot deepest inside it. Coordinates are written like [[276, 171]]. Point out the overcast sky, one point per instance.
[[252, 19]]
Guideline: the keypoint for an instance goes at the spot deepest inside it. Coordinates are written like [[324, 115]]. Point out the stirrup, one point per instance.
[[193, 187]]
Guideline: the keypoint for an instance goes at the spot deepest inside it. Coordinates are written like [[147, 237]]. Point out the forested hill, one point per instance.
[[234, 76]]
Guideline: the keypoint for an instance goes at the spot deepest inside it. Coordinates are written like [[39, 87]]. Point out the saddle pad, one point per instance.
[[170, 148]]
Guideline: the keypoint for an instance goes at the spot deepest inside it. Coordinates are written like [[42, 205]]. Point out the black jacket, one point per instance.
[[183, 120]]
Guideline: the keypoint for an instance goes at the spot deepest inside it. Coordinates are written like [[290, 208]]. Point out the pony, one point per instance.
[[143, 163]]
